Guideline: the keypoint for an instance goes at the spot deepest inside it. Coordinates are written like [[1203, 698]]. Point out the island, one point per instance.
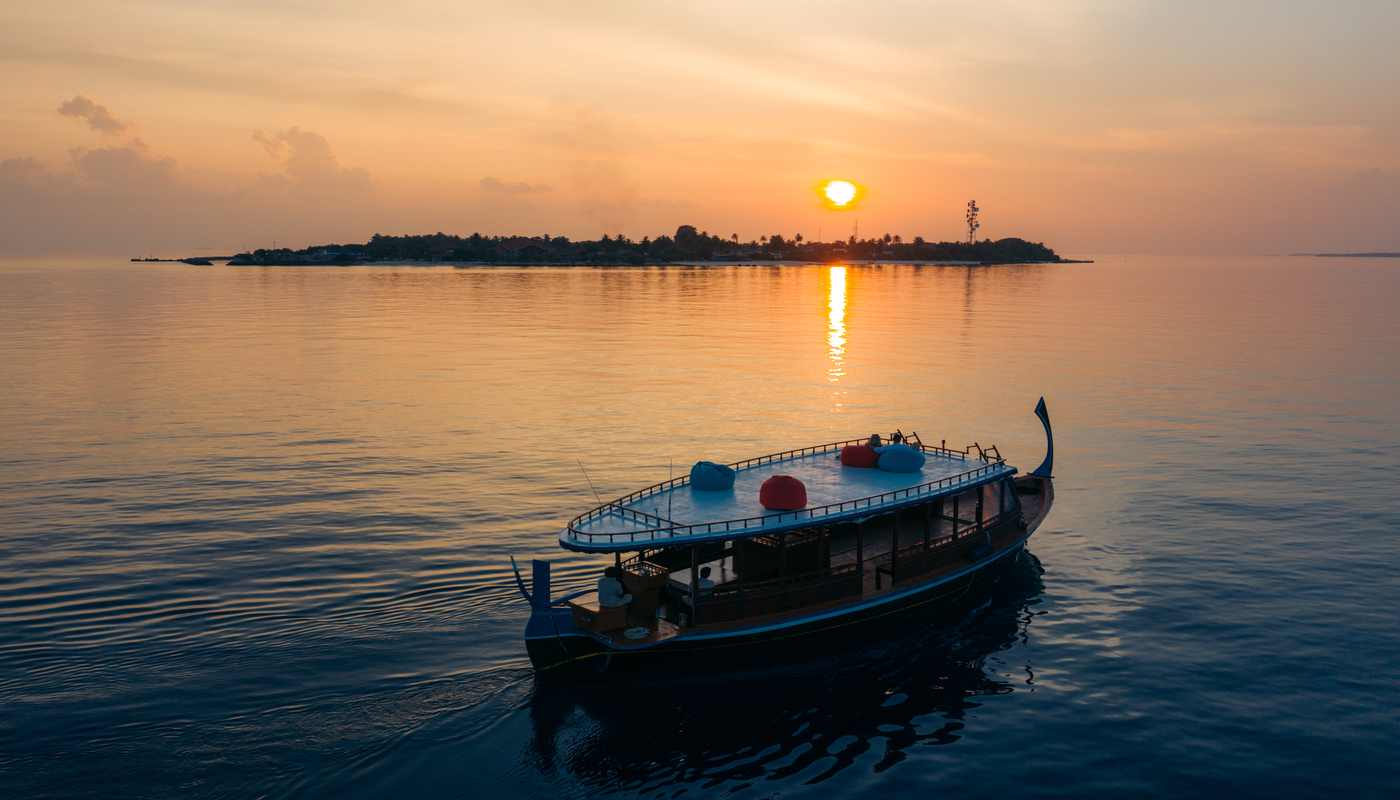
[[688, 245]]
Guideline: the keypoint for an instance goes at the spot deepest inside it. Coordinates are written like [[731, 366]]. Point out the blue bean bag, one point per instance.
[[900, 458], [707, 476]]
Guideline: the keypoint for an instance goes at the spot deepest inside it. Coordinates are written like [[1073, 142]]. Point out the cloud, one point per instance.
[[130, 168], [309, 161], [277, 148], [126, 197], [98, 116], [491, 184], [109, 198]]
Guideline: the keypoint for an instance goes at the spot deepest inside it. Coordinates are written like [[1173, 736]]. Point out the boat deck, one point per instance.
[[658, 630], [679, 514]]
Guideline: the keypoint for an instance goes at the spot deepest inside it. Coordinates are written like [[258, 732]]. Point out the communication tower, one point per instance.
[[972, 223]]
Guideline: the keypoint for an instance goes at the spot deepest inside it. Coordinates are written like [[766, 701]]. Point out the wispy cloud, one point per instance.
[[128, 196], [98, 116], [490, 184]]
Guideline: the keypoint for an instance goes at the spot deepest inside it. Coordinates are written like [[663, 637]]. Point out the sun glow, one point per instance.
[[839, 194]]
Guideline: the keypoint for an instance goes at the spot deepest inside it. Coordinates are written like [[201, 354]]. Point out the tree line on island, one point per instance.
[[688, 244]]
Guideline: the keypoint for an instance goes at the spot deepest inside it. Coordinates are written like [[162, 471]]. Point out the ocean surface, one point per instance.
[[255, 527]]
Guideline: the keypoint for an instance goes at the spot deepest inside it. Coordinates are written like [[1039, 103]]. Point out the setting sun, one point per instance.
[[840, 194]]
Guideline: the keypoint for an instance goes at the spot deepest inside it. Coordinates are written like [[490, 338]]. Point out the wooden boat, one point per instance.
[[868, 544]]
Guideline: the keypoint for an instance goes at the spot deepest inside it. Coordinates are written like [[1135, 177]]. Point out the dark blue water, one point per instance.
[[254, 527]]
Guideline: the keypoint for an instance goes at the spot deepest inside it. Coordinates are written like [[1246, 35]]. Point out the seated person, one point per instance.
[[896, 442], [706, 585], [875, 441], [610, 590]]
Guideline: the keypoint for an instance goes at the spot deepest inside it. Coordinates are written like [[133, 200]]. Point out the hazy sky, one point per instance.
[[1095, 126]]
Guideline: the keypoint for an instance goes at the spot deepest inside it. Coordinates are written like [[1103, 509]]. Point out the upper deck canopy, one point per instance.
[[673, 513]]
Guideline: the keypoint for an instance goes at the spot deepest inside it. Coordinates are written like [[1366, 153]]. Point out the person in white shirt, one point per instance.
[[705, 587], [611, 593]]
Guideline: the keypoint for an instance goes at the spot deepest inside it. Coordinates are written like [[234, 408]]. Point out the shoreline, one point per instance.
[[697, 263]]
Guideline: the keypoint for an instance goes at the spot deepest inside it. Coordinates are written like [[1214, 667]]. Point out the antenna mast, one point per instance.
[[972, 223]]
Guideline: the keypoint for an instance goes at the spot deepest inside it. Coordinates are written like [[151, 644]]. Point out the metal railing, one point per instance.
[[667, 529], [921, 559], [780, 595], [730, 589]]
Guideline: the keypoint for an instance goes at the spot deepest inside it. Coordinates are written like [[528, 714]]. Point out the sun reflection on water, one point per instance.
[[836, 326]]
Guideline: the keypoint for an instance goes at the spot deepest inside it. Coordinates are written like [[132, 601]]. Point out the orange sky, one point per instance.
[[1095, 126]]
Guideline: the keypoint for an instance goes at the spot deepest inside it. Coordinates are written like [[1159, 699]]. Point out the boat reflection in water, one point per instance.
[[868, 701]]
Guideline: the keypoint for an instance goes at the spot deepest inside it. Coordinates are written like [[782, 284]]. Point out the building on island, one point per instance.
[[520, 246]]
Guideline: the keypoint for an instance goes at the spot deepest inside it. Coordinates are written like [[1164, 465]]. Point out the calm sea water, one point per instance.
[[254, 527]]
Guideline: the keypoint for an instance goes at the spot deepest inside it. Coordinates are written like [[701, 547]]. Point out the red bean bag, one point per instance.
[[859, 455], [783, 493]]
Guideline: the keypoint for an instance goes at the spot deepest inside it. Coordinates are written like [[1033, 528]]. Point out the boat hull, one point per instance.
[[946, 600]]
